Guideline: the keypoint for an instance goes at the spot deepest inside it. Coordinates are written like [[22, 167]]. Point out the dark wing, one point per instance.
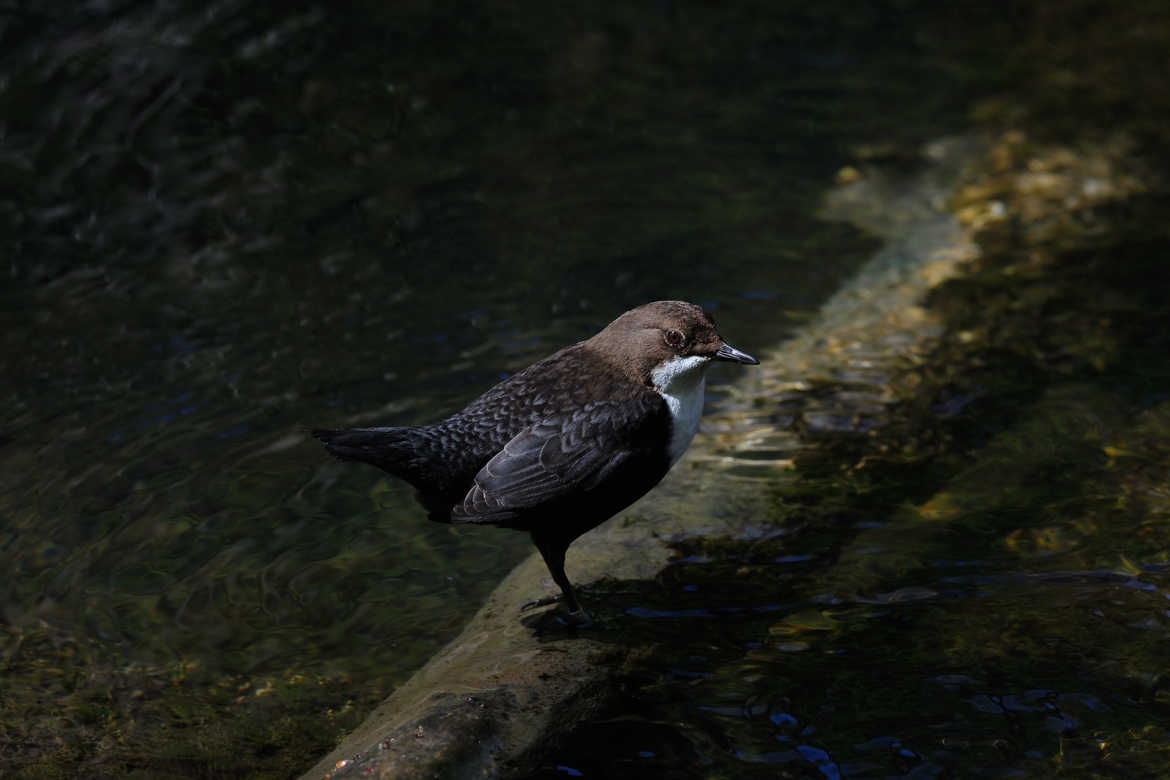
[[566, 456]]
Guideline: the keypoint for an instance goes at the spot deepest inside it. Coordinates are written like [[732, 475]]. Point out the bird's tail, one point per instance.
[[391, 449]]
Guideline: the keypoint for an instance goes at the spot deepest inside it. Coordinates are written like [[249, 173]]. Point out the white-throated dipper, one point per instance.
[[568, 442]]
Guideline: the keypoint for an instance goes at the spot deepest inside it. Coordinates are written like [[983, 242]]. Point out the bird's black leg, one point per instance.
[[553, 553]]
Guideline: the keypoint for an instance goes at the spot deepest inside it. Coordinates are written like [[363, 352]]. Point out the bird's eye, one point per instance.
[[673, 338]]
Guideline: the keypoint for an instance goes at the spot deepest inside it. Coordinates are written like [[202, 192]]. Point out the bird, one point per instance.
[[563, 445]]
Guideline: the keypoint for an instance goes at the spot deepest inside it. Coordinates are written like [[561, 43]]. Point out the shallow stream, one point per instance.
[[224, 222]]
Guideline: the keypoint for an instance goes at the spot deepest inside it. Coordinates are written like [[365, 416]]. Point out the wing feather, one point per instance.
[[562, 457]]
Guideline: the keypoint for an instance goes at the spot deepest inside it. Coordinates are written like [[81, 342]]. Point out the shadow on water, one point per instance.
[[221, 222]]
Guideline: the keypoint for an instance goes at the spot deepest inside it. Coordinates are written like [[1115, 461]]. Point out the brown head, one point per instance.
[[662, 332]]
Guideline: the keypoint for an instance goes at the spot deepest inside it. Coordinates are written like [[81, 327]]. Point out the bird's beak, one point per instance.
[[730, 353]]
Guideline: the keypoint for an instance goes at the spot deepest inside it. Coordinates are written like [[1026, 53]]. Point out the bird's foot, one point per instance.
[[578, 619], [544, 602]]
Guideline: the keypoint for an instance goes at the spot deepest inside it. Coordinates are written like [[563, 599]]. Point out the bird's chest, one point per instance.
[[682, 383]]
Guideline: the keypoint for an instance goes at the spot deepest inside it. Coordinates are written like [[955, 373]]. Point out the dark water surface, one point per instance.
[[222, 222]]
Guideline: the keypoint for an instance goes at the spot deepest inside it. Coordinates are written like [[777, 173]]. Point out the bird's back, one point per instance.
[[441, 460]]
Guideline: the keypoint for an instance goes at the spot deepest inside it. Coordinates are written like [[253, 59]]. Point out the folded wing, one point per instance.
[[567, 456]]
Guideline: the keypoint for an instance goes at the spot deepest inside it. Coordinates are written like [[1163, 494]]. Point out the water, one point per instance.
[[981, 589], [982, 592], [224, 222]]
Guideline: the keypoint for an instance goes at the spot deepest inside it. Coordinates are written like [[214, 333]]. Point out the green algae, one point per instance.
[[111, 715]]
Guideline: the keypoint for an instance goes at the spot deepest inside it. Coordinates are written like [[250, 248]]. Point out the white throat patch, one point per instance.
[[681, 382]]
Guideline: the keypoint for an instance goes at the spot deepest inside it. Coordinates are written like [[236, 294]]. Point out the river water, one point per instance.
[[225, 222]]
